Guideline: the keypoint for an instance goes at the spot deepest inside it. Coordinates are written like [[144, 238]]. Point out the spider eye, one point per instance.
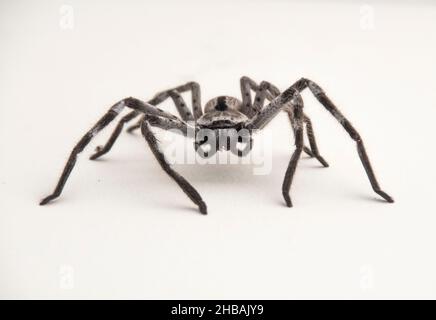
[[206, 147], [205, 150], [242, 147]]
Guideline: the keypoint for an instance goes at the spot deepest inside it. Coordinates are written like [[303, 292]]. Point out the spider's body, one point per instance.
[[224, 118], [231, 122], [222, 112]]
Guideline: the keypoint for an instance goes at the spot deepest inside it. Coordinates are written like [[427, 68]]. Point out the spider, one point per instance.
[[221, 113]]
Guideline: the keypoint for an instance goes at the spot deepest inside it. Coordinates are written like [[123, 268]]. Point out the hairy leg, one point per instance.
[[248, 85], [312, 141], [299, 144], [321, 96], [110, 115], [187, 188], [101, 150], [194, 87], [268, 91], [178, 100], [262, 118], [136, 126]]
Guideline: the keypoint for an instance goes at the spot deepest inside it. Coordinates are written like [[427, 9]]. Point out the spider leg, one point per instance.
[[187, 188], [268, 91], [192, 86], [136, 126], [247, 85], [313, 151], [289, 99], [312, 141], [299, 144], [184, 112], [110, 115], [265, 88], [178, 100], [176, 125], [291, 120], [101, 150], [330, 106]]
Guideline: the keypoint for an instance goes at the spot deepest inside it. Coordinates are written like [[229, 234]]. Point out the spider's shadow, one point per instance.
[[217, 173], [240, 173]]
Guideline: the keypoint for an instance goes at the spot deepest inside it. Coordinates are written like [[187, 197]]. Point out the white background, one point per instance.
[[123, 229]]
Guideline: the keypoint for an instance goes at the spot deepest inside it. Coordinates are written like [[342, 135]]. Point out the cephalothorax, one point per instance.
[[221, 115]]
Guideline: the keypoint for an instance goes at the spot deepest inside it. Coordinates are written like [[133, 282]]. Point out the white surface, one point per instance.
[[123, 229]]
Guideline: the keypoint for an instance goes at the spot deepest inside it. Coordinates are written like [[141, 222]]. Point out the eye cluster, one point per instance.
[[208, 142]]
